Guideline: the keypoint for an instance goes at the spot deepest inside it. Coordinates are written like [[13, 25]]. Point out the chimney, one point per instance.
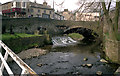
[[45, 3], [66, 10], [34, 1]]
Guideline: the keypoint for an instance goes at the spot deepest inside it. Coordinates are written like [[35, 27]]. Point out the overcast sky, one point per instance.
[[68, 4]]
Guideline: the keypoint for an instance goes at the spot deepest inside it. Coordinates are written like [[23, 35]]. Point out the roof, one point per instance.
[[58, 14], [7, 2], [36, 5]]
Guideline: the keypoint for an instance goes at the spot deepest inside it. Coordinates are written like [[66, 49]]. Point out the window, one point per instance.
[[38, 11], [12, 4], [23, 4], [96, 16], [18, 4], [28, 10], [50, 12], [88, 15], [45, 16], [45, 11], [31, 10]]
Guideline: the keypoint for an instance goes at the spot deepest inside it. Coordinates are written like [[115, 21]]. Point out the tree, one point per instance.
[[106, 8], [86, 8], [113, 23]]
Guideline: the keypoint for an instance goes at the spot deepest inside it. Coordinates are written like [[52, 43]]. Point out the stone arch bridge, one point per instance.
[[30, 25], [88, 29]]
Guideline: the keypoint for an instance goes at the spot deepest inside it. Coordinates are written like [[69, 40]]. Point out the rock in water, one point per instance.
[[43, 74], [104, 61], [89, 65], [99, 73], [117, 71], [83, 65], [85, 59], [39, 65]]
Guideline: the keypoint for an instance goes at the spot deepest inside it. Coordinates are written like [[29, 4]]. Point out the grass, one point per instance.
[[16, 35], [75, 35]]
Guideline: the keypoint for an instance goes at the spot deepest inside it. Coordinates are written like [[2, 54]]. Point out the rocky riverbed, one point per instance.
[[77, 59], [30, 53], [69, 60]]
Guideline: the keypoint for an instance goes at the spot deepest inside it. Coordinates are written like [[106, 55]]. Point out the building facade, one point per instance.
[[0, 9], [23, 9], [58, 16], [68, 15], [90, 16]]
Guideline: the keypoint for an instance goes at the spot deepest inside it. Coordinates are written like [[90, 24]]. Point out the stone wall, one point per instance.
[[20, 44]]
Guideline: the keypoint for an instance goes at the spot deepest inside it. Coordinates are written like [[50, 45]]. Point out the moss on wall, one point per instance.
[[20, 44]]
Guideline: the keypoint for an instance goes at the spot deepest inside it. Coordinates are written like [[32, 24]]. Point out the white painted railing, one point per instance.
[[25, 68]]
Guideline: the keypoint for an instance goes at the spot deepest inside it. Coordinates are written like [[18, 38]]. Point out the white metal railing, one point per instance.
[[25, 68]]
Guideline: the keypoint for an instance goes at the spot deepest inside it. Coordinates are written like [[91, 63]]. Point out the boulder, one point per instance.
[[99, 73], [89, 65], [85, 59], [104, 61], [39, 65]]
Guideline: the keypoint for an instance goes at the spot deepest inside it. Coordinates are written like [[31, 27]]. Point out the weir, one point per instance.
[[62, 41]]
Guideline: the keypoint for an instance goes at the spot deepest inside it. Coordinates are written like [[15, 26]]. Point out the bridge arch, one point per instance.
[[86, 32]]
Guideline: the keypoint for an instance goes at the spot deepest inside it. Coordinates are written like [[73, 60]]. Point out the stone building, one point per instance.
[[24, 9], [58, 16], [90, 16], [68, 15], [86, 16]]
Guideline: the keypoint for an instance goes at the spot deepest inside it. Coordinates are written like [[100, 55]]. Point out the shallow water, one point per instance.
[[69, 60]]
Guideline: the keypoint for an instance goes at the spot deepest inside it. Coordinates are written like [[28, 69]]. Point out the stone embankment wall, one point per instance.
[[20, 44]]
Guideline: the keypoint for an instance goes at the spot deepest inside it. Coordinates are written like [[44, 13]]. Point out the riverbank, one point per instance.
[[68, 60], [20, 42], [30, 53], [117, 71], [8, 36]]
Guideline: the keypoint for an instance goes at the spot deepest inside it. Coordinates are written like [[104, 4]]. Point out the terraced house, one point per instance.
[[22, 9]]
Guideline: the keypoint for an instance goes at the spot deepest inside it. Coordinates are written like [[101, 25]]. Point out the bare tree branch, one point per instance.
[[116, 17], [109, 5]]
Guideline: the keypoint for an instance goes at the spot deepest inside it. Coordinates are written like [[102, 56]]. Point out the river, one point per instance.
[[68, 56]]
